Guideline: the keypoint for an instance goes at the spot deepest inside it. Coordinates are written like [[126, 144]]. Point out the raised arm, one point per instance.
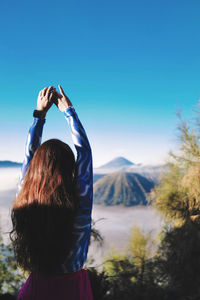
[[84, 154], [33, 141], [82, 226], [44, 102], [83, 162]]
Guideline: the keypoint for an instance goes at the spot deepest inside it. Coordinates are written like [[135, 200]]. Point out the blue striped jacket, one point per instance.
[[82, 227]]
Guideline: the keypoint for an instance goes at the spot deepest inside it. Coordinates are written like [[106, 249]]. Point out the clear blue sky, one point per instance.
[[126, 65]]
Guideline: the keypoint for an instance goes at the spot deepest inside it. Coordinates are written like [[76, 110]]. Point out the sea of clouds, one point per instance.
[[113, 223]]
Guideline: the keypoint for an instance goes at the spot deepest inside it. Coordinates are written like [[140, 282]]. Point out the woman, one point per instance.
[[51, 214]]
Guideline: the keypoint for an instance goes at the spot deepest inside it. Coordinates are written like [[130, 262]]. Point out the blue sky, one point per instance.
[[126, 65]]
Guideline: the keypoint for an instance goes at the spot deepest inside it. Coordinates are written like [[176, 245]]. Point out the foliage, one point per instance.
[[132, 274], [95, 234], [169, 197], [99, 283], [11, 278], [141, 246], [179, 260], [178, 199], [178, 195]]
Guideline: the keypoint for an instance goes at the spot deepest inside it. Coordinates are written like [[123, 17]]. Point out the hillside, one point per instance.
[[96, 177], [127, 189]]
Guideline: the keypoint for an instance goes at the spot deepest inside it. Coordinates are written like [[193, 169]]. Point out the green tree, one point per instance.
[[177, 197], [132, 273], [141, 248]]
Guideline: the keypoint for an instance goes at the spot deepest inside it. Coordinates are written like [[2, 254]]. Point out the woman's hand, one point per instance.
[[45, 99], [61, 100]]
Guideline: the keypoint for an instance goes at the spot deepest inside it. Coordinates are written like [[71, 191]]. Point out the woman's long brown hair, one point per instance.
[[43, 212]]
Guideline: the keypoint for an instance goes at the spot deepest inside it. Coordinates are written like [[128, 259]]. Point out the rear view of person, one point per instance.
[[51, 214]]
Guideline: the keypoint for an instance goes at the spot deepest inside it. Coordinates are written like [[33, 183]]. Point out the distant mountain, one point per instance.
[[9, 164], [121, 164], [116, 163], [121, 188]]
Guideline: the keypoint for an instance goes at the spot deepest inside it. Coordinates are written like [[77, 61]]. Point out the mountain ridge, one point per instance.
[[152, 172], [9, 164], [128, 189]]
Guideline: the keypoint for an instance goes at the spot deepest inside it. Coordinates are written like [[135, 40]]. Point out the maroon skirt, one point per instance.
[[74, 286]]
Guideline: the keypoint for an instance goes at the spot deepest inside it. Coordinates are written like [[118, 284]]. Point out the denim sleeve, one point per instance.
[[82, 226], [33, 141]]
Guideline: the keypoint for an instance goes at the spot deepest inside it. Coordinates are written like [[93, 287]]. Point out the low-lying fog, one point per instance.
[[114, 223]]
